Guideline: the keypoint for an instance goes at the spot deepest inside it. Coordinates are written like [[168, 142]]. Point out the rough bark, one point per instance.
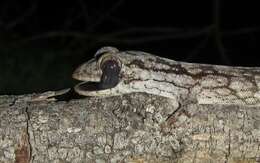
[[130, 128]]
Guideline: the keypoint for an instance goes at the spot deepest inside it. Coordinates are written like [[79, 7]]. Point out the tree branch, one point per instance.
[[129, 128]]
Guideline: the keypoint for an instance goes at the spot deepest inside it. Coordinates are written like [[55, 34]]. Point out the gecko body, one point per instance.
[[112, 72]]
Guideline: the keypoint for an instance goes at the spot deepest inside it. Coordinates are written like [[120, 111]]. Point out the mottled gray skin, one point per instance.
[[144, 72]]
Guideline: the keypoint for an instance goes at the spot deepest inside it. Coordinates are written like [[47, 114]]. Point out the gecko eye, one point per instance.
[[110, 66], [104, 50], [107, 57]]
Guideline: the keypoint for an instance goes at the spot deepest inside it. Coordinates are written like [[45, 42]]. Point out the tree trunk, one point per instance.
[[129, 128]]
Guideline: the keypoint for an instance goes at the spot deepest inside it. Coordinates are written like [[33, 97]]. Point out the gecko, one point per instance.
[[113, 73]]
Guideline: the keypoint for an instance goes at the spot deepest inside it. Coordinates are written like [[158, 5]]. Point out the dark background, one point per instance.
[[42, 42]]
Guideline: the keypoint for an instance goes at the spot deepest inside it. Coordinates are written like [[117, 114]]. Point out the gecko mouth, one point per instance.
[[109, 78]]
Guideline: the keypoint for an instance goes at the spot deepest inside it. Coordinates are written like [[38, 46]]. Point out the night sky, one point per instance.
[[42, 42]]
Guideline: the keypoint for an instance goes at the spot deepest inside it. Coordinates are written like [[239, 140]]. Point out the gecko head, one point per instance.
[[112, 72], [100, 75]]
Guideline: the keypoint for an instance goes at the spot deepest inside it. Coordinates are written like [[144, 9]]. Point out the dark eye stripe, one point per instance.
[[110, 74]]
